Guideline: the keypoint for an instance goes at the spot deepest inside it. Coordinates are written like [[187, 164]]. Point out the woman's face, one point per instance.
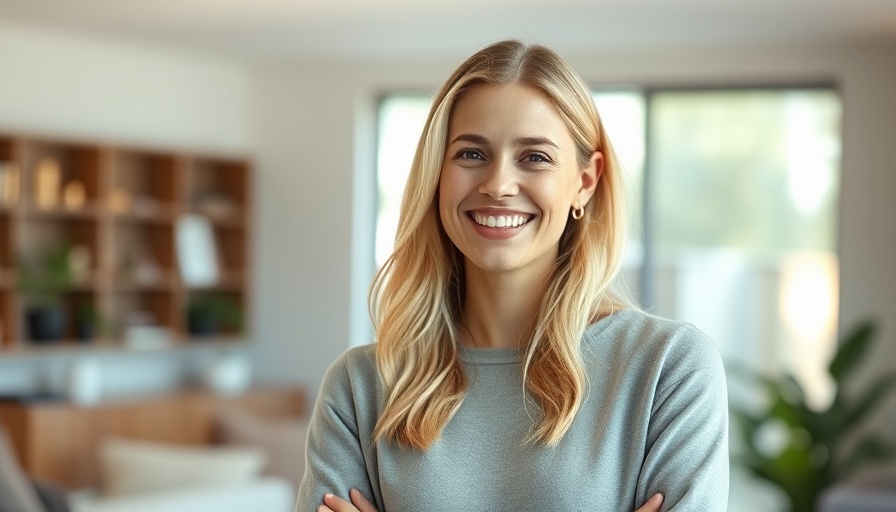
[[509, 178]]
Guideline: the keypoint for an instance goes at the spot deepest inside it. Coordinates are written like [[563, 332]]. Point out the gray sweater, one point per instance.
[[655, 419]]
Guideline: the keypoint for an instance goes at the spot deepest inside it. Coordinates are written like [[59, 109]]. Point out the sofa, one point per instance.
[[188, 452], [269, 494], [147, 476], [256, 463]]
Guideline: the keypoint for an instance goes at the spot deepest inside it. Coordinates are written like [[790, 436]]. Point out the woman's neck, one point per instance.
[[500, 309]]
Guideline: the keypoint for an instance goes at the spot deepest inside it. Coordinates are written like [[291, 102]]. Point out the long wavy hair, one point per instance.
[[416, 299]]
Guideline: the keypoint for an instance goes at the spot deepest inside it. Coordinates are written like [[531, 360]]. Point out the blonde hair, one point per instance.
[[416, 298]]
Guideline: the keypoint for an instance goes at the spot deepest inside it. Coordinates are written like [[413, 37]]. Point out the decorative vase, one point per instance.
[[46, 323], [85, 385], [229, 374], [201, 323]]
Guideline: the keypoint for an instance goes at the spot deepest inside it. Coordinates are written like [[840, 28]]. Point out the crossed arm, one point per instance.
[[359, 503], [685, 458]]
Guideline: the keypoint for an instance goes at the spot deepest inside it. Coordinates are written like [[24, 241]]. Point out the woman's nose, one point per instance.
[[499, 180]]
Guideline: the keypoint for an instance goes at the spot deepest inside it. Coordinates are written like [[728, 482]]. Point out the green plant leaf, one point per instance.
[[792, 414], [813, 459], [797, 395], [788, 401], [851, 350], [793, 472], [826, 426], [44, 278], [870, 399]]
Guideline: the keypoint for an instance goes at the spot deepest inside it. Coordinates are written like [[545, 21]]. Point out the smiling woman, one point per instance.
[[507, 373], [510, 174]]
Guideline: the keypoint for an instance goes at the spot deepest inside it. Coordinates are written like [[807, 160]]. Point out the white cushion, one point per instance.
[[129, 466], [265, 494], [281, 438]]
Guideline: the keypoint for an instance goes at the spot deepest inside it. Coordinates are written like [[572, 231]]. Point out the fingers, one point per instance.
[[653, 504], [361, 502], [333, 503]]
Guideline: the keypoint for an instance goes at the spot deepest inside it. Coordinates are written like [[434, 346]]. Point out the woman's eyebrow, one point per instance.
[[535, 141], [522, 141], [470, 137]]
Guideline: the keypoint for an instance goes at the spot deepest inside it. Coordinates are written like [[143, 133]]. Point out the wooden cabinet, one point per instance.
[[120, 214], [58, 442]]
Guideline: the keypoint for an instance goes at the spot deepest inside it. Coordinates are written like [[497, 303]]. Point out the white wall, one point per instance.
[[59, 83], [314, 128], [304, 222]]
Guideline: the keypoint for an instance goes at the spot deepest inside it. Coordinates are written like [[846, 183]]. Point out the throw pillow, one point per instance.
[[16, 491], [128, 466], [281, 438]]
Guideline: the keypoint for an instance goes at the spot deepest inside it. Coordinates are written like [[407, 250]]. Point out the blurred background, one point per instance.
[[756, 139]]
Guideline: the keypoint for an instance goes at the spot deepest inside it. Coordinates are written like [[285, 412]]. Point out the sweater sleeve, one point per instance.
[[687, 445], [335, 459]]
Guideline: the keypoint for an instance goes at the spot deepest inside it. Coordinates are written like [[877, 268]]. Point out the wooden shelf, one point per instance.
[[90, 212], [120, 207], [7, 278], [162, 215], [130, 285], [227, 281]]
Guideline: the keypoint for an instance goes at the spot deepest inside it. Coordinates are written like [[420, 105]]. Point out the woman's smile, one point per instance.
[[509, 177], [498, 224]]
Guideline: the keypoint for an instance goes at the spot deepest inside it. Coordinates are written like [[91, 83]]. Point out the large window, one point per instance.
[[733, 200], [742, 200], [400, 122]]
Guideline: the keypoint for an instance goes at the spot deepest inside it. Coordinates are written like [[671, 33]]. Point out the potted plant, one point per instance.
[[212, 313], [811, 454], [43, 282], [88, 322]]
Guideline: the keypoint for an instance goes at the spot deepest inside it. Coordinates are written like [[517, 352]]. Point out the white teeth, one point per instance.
[[500, 221]]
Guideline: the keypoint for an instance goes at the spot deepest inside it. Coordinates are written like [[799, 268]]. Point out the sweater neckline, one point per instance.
[[474, 355], [514, 355]]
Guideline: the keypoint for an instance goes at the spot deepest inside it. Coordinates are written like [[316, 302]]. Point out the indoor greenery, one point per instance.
[[43, 280], [812, 451], [213, 313]]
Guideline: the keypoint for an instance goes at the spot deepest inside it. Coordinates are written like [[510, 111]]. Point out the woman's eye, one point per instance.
[[536, 158], [470, 154]]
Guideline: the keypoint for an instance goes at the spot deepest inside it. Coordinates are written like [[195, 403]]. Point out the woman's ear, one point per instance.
[[590, 176]]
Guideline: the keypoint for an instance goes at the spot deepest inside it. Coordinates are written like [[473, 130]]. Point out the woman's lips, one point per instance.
[[498, 225], [500, 220]]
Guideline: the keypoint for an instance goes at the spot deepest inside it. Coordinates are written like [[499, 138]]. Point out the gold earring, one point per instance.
[[578, 212]]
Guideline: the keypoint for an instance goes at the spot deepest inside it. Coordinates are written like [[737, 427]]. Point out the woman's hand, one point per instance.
[[652, 505], [333, 503]]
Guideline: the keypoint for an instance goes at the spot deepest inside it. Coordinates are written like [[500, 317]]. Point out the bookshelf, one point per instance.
[[95, 234]]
